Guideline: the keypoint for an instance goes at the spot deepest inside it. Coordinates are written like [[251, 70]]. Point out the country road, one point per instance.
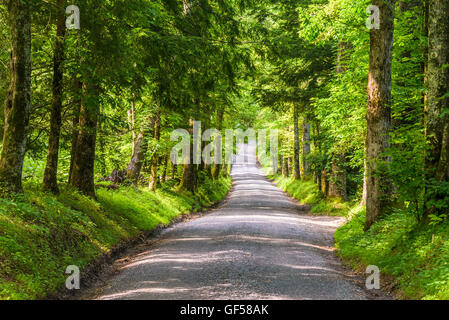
[[259, 244]]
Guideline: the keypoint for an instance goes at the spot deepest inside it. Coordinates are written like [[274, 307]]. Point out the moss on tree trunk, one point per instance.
[[17, 104], [378, 113], [51, 168]]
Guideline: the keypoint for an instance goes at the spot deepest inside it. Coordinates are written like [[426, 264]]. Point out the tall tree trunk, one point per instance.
[[296, 170], [82, 176], [17, 104], [138, 158], [225, 170], [437, 126], [337, 183], [189, 176], [217, 161], [155, 158], [164, 169], [174, 169], [132, 121], [365, 181], [285, 167], [319, 168], [305, 147], [51, 169], [140, 151], [75, 123], [379, 112], [101, 146], [325, 183]]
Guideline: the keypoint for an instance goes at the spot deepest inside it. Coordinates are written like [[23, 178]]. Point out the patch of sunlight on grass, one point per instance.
[[41, 234]]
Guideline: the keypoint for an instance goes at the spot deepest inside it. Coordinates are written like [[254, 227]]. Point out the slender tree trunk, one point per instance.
[[102, 156], [225, 170], [437, 126], [155, 159], [189, 176], [296, 170], [379, 113], [82, 176], [305, 147], [319, 169], [132, 121], [75, 124], [140, 151], [325, 182], [217, 161], [164, 169], [285, 167], [17, 104], [138, 158], [51, 169], [365, 181], [174, 169], [337, 183]]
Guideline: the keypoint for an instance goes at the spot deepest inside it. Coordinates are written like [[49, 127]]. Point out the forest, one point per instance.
[[357, 90]]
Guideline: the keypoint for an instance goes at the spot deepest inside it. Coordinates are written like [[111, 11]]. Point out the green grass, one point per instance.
[[416, 257], [42, 234], [412, 256], [308, 193]]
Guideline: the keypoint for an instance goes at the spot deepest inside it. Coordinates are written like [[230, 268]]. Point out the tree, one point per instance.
[[51, 168], [378, 114], [437, 125], [296, 152], [17, 105]]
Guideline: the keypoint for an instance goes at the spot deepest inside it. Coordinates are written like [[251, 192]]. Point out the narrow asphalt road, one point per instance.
[[259, 244]]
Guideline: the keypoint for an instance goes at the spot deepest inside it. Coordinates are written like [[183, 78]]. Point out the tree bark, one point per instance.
[[51, 169], [75, 124], [138, 158], [140, 151], [155, 158], [82, 176], [189, 177], [337, 183], [174, 169], [285, 167], [305, 147], [164, 169], [17, 103], [437, 126], [379, 113], [132, 121], [296, 170], [217, 161]]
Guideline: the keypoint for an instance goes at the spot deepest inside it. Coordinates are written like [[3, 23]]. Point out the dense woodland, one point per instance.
[[362, 113]]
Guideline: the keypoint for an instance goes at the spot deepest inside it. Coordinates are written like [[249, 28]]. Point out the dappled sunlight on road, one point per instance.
[[258, 245]]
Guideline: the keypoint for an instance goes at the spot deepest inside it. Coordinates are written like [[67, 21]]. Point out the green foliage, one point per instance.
[[41, 234], [308, 193], [415, 255]]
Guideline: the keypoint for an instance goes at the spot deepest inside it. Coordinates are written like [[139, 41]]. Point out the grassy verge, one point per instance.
[[41, 234], [308, 193], [414, 258]]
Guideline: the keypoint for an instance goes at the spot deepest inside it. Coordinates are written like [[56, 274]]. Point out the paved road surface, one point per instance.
[[258, 245]]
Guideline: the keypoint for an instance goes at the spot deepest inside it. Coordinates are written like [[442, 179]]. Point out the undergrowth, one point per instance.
[[413, 256], [41, 234]]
